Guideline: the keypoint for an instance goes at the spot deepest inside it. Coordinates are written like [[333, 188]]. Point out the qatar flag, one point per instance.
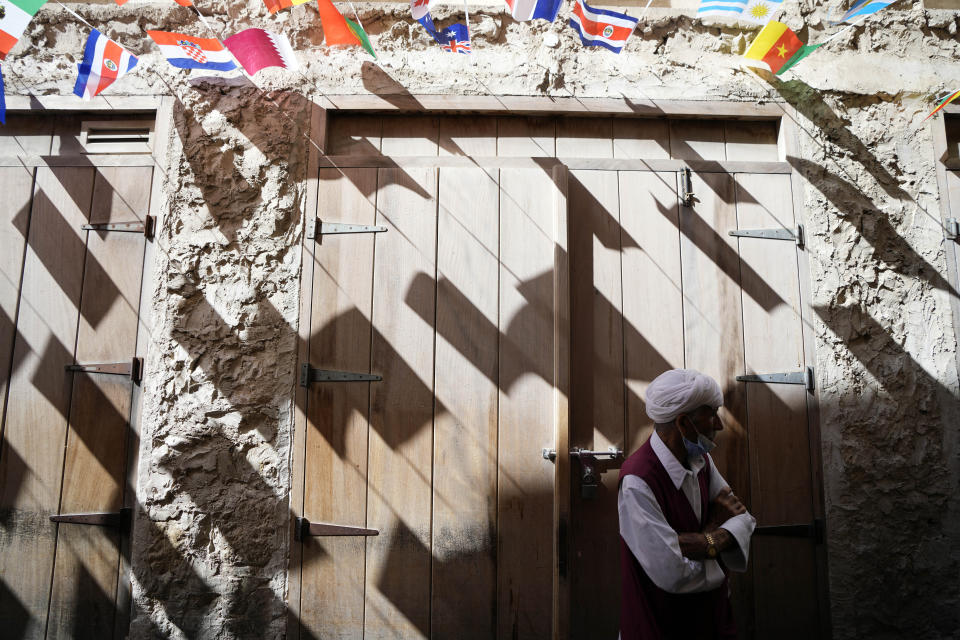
[[257, 49]]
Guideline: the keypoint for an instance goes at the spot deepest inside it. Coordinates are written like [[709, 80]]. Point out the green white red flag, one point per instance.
[[15, 15]]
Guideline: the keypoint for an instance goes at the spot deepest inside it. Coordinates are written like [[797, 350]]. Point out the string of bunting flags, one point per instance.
[[776, 47]]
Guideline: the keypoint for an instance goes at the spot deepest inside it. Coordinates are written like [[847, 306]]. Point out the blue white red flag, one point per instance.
[[864, 8], [455, 38], [522, 10], [189, 52], [3, 100], [600, 28], [103, 62]]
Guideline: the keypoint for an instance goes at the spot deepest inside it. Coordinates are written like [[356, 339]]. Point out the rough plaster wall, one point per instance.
[[212, 551], [211, 542]]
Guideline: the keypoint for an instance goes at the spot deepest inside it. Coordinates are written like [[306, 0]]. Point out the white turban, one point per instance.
[[681, 391]]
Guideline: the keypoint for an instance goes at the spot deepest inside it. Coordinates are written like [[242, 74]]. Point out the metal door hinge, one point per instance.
[[813, 530], [119, 519], [953, 229], [145, 227], [305, 529], [686, 187], [794, 235], [804, 377], [335, 228], [308, 374], [133, 369]]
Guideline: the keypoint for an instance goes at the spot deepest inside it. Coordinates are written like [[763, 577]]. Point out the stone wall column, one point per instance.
[[211, 541]]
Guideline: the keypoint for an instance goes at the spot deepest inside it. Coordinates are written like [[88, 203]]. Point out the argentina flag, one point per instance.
[[721, 8], [755, 11]]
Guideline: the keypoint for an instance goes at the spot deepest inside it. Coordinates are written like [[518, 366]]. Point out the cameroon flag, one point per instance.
[[778, 47], [15, 15]]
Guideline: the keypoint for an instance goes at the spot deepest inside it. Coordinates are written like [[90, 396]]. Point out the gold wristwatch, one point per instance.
[[711, 546]]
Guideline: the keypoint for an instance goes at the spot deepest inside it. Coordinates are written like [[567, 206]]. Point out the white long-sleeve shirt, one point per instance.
[[654, 542]]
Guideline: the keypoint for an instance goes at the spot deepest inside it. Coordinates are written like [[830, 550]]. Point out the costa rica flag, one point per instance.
[[600, 28], [103, 62]]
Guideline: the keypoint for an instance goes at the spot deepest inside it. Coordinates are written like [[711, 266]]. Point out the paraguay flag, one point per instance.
[[523, 10], [600, 28], [189, 52], [103, 62]]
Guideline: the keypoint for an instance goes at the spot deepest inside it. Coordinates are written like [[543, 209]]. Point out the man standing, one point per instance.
[[681, 526]]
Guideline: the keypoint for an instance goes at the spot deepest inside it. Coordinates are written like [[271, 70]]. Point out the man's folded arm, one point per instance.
[[655, 545], [740, 527]]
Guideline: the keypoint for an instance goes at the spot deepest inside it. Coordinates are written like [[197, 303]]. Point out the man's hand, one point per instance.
[[725, 506], [694, 545]]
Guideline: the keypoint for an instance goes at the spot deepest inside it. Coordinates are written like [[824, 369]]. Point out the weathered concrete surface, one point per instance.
[[211, 542]]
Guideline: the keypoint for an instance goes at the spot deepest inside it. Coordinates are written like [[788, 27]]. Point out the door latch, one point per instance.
[[591, 467]]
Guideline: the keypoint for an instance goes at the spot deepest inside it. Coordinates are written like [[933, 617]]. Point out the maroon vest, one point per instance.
[[648, 612]]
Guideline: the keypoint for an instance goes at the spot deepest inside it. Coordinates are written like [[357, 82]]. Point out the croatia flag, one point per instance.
[[103, 62], [189, 52], [522, 10], [256, 49], [600, 28]]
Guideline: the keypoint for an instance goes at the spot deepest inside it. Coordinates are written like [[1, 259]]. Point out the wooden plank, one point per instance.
[[574, 163], [335, 462], [318, 133], [461, 136], [585, 137], [355, 135], [597, 403], [79, 160], [525, 496], [789, 138], [639, 138], [697, 140], [532, 137], [779, 458], [17, 186], [534, 105], [401, 413], [85, 572], [713, 330], [465, 425], [652, 284], [777, 417], [752, 141], [713, 335], [561, 386], [410, 136], [31, 462]]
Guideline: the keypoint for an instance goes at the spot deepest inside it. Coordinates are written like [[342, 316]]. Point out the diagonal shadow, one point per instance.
[[873, 225], [714, 246], [811, 104]]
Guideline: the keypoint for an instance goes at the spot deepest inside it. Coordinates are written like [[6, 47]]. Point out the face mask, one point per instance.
[[702, 446]]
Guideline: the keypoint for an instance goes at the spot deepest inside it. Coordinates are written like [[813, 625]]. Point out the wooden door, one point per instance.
[[659, 285], [460, 306], [70, 296]]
